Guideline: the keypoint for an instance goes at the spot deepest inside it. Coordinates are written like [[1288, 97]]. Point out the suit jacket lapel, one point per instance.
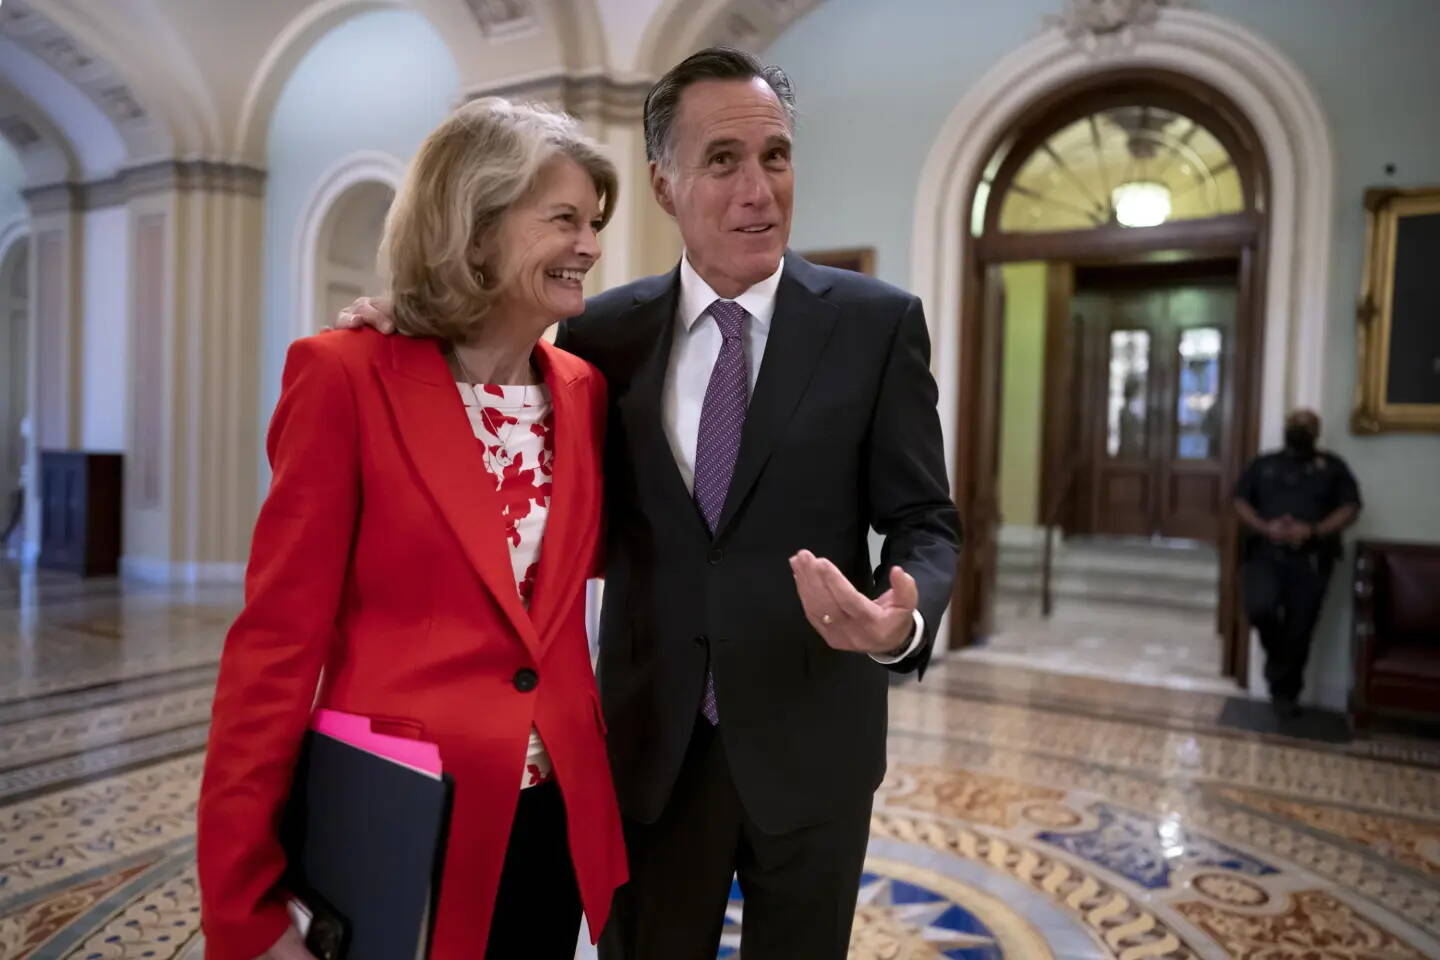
[[642, 407], [574, 500], [799, 332], [437, 434]]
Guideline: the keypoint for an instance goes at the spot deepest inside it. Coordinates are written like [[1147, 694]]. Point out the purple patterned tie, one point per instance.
[[717, 445]]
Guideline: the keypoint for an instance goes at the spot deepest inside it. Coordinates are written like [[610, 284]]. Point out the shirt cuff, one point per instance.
[[915, 640]]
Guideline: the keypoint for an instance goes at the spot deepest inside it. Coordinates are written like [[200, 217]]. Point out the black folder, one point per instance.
[[365, 838]]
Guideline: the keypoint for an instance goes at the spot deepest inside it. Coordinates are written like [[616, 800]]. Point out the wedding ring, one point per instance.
[[825, 619]]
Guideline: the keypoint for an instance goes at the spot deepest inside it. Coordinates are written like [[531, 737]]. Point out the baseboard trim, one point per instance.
[[149, 570], [1020, 535]]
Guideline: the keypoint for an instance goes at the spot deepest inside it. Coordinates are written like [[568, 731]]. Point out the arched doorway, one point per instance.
[[346, 248], [14, 387], [1110, 372]]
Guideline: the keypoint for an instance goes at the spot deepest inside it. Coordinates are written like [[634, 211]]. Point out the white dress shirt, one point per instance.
[[692, 358]]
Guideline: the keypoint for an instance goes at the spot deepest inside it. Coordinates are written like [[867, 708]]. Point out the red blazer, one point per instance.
[[380, 584]]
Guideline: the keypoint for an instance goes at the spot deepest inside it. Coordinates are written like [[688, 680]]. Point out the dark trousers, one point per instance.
[[537, 911], [1284, 591], [799, 887]]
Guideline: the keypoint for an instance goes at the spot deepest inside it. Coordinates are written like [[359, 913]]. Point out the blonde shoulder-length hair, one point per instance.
[[467, 173]]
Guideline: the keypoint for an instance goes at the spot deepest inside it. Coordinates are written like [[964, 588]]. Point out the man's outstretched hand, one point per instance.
[[847, 619]]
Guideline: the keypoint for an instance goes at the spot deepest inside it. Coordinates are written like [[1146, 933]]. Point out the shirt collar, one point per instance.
[[696, 296]]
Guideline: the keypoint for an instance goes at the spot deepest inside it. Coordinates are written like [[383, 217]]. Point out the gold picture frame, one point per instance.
[[1398, 315], [858, 259]]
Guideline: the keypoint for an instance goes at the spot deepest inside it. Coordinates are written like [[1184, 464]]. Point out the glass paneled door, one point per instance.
[[1157, 404]]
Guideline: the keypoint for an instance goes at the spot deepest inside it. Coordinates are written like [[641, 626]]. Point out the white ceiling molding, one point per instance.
[[43, 149], [681, 27], [99, 149], [587, 97], [161, 176], [1097, 26], [18, 131], [82, 68], [503, 18]]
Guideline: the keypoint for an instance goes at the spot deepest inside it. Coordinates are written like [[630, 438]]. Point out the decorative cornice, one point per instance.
[[97, 78], [1104, 26], [21, 134], [160, 177], [503, 18], [55, 198], [589, 97], [689, 25]]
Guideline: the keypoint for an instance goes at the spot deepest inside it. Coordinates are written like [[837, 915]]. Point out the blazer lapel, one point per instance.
[[799, 332], [574, 498], [642, 408], [436, 433]]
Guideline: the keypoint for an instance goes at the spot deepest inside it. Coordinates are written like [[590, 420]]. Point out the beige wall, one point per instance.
[[1023, 394]]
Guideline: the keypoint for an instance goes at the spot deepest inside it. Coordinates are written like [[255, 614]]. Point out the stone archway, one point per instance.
[[345, 256], [1255, 77], [339, 235]]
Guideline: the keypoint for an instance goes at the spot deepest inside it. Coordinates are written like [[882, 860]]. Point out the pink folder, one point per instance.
[[355, 730]]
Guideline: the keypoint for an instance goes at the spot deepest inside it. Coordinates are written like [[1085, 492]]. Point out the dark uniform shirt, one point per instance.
[[1306, 488]]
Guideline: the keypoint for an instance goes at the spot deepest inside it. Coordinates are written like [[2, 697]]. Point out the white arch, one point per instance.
[[175, 116], [50, 160], [12, 232], [364, 166], [280, 60], [1258, 79], [569, 35]]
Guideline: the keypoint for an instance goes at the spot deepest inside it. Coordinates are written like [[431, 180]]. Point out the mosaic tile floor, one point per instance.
[[1025, 815]]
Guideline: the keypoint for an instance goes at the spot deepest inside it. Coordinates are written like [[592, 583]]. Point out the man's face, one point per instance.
[[1306, 420], [729, 183]]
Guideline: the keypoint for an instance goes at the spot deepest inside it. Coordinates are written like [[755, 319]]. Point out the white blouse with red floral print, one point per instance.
[[516, 425]]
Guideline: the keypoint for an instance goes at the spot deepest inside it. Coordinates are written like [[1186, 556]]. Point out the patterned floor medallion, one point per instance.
[[1316, 925], [1413, 843], [1145, 850], [968, 796], [29, 927], [1231, 890], [908, 913], [1024, 816], [156, 926]]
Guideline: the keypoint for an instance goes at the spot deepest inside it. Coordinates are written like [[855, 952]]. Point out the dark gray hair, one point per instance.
[[662, 104]]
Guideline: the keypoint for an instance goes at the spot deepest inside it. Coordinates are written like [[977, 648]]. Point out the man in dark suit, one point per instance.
[[766, 414]]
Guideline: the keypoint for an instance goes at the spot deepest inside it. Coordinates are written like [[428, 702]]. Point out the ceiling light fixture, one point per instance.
[[1141, 203]]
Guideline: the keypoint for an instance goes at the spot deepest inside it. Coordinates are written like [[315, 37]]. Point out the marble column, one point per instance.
[[191, 487]]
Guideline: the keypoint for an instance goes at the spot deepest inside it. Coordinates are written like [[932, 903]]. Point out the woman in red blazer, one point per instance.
[[422, 555]]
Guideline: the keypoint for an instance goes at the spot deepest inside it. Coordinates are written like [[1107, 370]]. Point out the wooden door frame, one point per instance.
[[1187, 267], [1244, 236]]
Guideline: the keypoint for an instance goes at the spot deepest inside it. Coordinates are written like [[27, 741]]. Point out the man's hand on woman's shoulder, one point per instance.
[[367, 312]]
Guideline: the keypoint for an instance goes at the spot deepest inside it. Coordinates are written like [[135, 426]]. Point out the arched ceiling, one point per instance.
[[66, 66], [126, 82], [45, 152]]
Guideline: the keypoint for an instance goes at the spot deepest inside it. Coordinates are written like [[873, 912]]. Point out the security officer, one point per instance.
[[1294, 504]]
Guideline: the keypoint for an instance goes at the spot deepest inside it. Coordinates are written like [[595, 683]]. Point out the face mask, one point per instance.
[[1299, 439]]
